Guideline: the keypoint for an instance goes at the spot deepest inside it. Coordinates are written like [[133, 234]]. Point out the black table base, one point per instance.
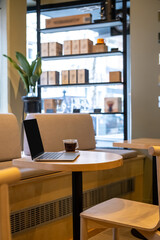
[[154, 182], [77, 203]]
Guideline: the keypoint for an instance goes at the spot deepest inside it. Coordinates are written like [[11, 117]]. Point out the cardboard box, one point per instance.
[[73, 76], [75, 46], [115, 76], [86, 46], [44, 78], [99, 48], [44, 49], [67, 47], [83, 76], [55, 49], [50, 105], [53, 78], [69, 20], [112, 104], [65, 77]]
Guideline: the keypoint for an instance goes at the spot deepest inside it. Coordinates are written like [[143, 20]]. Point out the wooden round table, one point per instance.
[[87, 161]]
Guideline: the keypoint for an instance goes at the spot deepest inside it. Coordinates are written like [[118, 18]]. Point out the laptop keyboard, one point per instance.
[[50, 155]]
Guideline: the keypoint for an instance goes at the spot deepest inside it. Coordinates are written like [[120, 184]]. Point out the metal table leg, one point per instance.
[[77, 203], [154, 182]]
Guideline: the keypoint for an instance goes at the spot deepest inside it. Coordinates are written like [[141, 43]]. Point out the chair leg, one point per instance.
[[83, 229], [115, 233]]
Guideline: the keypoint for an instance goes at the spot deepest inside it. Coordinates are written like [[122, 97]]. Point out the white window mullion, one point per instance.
[[3, 60]]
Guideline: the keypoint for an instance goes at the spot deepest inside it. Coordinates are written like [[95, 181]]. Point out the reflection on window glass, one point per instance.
[[108, 129], [30, 53], [31, 36], [84, 98]]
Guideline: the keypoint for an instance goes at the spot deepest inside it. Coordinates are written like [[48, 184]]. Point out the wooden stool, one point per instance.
[[117, 212]]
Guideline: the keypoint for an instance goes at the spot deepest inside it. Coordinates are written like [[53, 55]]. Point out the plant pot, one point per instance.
[[31, 104]]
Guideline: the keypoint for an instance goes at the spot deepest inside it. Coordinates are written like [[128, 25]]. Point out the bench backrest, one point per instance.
[[56, 127], [10, 144]]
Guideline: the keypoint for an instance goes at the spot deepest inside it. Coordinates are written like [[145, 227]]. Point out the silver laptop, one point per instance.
[[36, 146]]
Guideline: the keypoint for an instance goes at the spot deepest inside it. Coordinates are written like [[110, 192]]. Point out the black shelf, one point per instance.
[[91, 26], [81, 84], [87, 55], [106, 113], [103, 113]]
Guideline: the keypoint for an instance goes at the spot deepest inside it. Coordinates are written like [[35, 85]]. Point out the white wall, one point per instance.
[[16, 41], [3, 67], [144, 77], [145, 68]]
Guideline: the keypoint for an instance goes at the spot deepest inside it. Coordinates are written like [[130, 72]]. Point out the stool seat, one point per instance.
[[125, 213], [117, 212]]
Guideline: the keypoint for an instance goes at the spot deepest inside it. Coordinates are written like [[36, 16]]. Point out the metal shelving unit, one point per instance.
[[98, 27]]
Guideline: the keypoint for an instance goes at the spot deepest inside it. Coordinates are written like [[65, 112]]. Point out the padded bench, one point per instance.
[[40, 191], [56, 127], [10, 146]]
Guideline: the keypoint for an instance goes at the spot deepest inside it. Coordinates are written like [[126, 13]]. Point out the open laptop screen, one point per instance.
[[33, 137]]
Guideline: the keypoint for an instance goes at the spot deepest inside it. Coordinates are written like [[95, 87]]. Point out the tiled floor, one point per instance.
[[124, 233]]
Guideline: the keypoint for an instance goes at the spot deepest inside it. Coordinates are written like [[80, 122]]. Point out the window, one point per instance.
[[31, 36], [3, 61]]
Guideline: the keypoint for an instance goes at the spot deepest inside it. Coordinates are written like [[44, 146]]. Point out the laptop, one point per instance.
[[36, 146]]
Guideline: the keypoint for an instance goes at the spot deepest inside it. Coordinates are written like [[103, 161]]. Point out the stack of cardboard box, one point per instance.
[[115, 76], [50, 105], [75, 76], [51, 49], [81, 46], [49, 78], [69, 20]]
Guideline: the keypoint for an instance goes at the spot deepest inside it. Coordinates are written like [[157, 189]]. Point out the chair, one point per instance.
[[7, 176], [116, 213]]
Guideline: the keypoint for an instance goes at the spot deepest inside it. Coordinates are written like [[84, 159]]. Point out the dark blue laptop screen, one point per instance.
[[33, 137]]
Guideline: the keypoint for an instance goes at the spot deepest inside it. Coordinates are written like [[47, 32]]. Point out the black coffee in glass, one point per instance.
[[70, 145]]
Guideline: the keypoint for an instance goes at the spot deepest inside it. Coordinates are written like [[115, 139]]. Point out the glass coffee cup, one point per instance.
[[70, 145]]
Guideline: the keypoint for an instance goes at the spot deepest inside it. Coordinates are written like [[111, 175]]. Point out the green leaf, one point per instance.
[[34, 79], [33, 64], [15, 65], [28, 73], [24, 63], [25, 81], [37, 67]]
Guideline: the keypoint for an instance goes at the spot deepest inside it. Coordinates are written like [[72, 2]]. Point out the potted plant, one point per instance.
[[30, 74]]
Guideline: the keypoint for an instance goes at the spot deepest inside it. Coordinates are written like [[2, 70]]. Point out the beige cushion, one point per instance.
[[26, 173], [126, 154], [10, 146], [56, 127]]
